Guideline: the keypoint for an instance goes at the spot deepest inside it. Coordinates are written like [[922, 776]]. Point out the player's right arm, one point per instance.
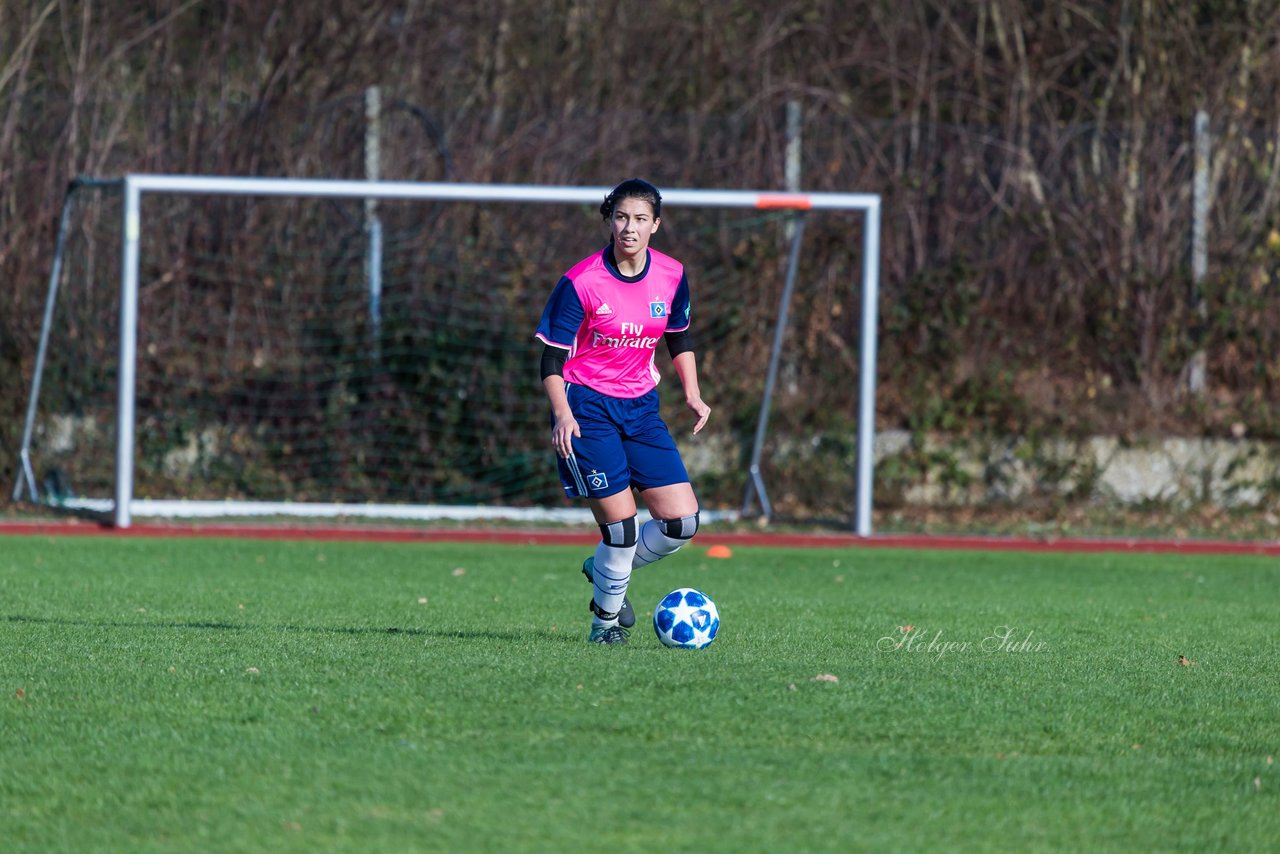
[[557, 330], [565, 426]]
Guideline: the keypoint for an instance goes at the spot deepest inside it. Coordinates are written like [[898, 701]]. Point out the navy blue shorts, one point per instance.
[[624, 443]]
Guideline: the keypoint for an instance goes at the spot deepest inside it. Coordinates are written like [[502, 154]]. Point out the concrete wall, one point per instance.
[[949, 470]]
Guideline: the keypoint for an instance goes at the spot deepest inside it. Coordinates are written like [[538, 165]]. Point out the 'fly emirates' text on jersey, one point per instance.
[[611, 323]]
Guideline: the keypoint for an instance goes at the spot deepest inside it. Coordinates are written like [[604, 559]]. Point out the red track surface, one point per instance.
[[587, 537]]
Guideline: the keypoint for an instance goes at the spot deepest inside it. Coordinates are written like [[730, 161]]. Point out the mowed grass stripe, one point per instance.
[[256, 695]]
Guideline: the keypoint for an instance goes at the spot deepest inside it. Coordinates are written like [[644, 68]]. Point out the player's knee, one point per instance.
[[621, 534], [680, 529]]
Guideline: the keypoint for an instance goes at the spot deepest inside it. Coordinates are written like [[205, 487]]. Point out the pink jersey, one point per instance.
[[611, 323]]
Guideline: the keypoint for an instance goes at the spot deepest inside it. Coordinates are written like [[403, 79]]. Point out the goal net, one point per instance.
[[240, 347]]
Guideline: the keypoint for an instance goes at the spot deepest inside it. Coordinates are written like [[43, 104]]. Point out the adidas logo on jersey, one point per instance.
[[604, 310]]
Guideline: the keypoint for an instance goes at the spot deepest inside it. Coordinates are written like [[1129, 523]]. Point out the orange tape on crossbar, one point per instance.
[[779, 201]]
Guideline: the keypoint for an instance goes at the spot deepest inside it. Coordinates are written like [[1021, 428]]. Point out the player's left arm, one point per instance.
[[680, 346], [687, 370]]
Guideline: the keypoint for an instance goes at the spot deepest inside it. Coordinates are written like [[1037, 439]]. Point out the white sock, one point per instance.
[[654, 545], [610, 577]]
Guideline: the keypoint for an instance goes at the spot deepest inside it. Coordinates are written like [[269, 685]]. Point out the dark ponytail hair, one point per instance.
[[632, 188]]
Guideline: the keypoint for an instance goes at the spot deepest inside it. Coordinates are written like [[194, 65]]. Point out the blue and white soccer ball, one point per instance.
[[686, 619]]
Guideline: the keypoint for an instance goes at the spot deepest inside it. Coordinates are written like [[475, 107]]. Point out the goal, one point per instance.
[[253, 346]]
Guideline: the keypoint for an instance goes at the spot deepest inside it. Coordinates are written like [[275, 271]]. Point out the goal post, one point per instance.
[[135, 187]]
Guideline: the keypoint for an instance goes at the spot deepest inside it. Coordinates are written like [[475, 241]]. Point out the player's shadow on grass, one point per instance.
[[210, 625]]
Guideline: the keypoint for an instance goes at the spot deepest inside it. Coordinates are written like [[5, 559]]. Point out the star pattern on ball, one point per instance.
[[686, 613]]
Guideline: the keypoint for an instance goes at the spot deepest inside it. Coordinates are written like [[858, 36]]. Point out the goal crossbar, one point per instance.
[[135, 185]]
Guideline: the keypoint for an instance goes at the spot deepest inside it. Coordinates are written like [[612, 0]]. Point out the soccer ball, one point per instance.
[[686, 619]]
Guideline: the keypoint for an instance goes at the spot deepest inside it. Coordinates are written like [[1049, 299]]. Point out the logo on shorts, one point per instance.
[[597, 481], [657, 309]]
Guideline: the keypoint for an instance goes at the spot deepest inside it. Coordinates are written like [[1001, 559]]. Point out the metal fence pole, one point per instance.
[[867, 370], [126, 387], [1196, 367], [372, 223]]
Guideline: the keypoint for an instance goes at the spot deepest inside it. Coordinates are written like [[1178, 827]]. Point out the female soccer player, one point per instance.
[[600, 329]]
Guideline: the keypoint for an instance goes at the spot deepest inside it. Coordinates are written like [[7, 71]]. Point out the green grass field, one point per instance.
[[241, 695]]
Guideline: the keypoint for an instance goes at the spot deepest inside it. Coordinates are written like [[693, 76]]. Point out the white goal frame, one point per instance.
[[122, 510]]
